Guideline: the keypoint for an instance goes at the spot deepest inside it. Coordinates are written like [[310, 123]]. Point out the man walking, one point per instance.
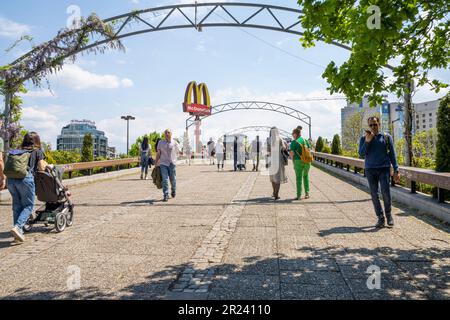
[[255, 153], [166, 159], [379, 153]]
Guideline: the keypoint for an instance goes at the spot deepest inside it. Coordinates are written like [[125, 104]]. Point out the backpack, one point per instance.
[[17, 164], [306, 156]]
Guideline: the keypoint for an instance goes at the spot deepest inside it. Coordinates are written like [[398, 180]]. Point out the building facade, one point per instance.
[[392, 116], [72, 135], [111, 153], [425, 115]]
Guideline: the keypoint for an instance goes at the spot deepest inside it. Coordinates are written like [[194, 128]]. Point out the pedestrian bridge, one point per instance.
[[223, 237]]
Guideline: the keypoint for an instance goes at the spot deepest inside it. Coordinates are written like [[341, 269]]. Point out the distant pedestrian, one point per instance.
[[241, 154], [22, 190], [301, 166], [145, 153], [379, 153], [235, 153], [255, 153], [211, 152], [277, 161], [219, 150], [166, 159]]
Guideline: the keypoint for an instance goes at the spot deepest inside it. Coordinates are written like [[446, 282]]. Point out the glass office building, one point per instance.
[[72, 135]]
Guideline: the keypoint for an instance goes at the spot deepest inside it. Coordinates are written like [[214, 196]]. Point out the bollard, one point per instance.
[[348, 167], [441, 195], [413, 187]]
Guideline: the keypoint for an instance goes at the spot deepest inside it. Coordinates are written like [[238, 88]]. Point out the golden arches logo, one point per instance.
[[196, 99]]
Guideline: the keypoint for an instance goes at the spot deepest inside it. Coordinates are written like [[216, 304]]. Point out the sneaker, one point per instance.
[[390, 220], [173, 194], [307, 196], [380, 223], [17, 234], [166, 198], [16, 242]]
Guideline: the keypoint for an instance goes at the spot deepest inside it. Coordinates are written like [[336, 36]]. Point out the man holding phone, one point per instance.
[[379, 153]]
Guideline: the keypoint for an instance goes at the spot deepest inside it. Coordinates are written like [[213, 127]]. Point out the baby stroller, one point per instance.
[[58, 209]]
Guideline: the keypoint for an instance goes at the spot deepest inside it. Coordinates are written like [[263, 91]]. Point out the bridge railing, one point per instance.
[[440, 180], [90, 166]]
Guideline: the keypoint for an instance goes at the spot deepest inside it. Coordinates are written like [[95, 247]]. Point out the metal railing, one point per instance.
[[440, 180], [90, 166]]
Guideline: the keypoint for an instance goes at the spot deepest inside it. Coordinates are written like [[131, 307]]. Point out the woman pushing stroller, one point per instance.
[[20, 169]]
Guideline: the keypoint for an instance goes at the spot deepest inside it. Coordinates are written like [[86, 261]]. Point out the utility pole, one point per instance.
[[128, 118]]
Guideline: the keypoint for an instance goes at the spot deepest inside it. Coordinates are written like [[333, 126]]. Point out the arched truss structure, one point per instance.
[[283, 133], [255, 105], [197, 16]]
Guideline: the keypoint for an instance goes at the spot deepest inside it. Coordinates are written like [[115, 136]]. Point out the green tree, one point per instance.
[[152, 137], [87, 152], [336, 147], [351, 133], [423, 148], [443, 136], [326, 149], [63, 157], [414, 32], [319, 144]]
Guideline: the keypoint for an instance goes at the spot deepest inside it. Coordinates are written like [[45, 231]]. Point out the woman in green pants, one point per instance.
[[301, 168]]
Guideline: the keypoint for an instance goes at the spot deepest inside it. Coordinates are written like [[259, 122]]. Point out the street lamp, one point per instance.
[[128, 118]]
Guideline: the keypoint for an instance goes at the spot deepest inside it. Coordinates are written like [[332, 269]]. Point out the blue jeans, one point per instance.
[[144, 164], [23, 194], [380, 176], [169, 173]]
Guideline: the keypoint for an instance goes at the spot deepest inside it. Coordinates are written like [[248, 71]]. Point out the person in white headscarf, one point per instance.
[[277, 149]]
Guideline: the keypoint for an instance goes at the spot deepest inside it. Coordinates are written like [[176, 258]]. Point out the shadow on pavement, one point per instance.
[[332, 272]]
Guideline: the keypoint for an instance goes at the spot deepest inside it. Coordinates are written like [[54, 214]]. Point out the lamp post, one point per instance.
[[128, 118]]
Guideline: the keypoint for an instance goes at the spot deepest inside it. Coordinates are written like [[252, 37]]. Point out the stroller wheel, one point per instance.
[[60, 222], [69, 216], [27, 227]]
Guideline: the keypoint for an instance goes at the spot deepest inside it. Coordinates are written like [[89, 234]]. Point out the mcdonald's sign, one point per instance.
[[196, 99]]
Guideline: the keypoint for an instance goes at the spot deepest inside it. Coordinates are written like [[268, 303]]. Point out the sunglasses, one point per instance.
[[373, 125]]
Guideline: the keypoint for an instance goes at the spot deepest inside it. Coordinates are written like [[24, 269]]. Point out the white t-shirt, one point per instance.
[[169, 152]]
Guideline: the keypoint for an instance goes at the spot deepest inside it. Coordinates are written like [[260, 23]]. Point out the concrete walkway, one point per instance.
[[224, 238]]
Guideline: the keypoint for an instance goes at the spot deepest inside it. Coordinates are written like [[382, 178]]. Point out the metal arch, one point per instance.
[[255, 105], [127, 25], [283, 133]]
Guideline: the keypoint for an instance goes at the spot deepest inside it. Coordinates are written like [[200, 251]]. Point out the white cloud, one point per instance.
[[127, 83], [77, 78], [43, 120], [11, 29], [41, 94]]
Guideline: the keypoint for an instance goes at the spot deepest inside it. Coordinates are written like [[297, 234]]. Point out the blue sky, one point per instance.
[[148, 81]]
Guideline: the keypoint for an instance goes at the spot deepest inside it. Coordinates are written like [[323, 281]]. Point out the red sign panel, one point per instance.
[[197, 109]]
